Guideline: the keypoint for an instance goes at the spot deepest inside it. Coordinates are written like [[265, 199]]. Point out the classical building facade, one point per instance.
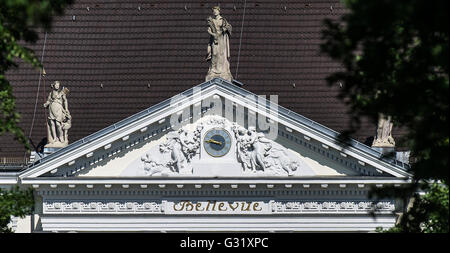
[[213, 158]]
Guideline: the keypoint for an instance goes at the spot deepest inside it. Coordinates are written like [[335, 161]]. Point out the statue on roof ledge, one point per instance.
[[59, 119], [219, 47], [383, 138]]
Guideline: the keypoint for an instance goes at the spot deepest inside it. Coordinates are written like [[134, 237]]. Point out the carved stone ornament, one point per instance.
[[248, 152], [186, 207], [218, 50], [182, 146], [384, 132], [59, 119], [255, 152], [339, 207], [102, 206]]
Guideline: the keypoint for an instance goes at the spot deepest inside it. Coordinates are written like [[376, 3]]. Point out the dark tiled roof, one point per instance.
[[142, 57]]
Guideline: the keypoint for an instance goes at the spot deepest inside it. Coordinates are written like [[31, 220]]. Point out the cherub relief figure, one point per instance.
[[182, 146], [176, 145], [257, 153], [258, 147], [242, 154]]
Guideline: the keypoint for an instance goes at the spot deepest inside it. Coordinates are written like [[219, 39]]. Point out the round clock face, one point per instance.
[[217, 142]]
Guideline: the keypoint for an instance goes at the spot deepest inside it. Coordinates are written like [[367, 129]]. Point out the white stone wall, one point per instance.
[[328, 223]]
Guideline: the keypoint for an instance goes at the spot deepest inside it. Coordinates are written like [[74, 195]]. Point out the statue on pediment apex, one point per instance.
[[59, 119], [218, 50]]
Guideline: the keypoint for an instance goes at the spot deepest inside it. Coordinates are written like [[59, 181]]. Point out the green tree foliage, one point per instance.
[[428, 213], [395, 55], [19, 20], [14, 202]]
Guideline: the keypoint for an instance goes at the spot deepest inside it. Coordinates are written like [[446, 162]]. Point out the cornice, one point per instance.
[[8, 178], [183, 181]]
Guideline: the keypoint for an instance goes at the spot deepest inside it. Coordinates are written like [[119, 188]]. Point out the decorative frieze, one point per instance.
[[188, 207], [51, 207], [332, 206]]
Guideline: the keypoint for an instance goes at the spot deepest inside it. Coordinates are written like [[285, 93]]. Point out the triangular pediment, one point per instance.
[[215, 129]]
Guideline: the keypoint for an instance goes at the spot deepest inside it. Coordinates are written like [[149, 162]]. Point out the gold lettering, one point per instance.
[[255, 205], [221, 205], [214, 206], [189, 206], [246, 208], [182, 205], [197, 206], [234, 207]]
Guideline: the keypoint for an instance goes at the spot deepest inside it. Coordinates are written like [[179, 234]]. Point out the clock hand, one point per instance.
[[214, 141]]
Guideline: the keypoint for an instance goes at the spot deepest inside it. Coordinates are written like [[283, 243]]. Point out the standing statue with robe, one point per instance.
[[59, 118], [219, 47]]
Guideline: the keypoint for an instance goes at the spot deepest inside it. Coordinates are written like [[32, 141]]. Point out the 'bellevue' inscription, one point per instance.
[[217, 207]]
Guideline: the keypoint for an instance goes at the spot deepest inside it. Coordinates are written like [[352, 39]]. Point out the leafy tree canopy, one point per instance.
[[395, 56], [14, 202], [19, 20]]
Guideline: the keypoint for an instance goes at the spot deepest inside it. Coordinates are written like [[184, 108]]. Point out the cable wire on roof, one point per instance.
[[37, 92], [240, 39]]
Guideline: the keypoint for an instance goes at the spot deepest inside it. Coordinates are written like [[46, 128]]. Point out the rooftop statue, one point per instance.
[[59, 119], [219, 46], [384, 132]]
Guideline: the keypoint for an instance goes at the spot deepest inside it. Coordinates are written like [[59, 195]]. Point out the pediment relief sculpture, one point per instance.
[[218, 142], [255, 152], [182, 146]]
